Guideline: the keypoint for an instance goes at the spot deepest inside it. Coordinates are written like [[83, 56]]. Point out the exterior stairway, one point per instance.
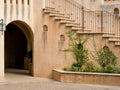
[[62, 18], [84, 21]]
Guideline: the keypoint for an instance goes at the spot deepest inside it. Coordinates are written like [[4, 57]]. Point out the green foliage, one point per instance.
[[76, 46], [90, 68], [107, 60], [106, 57], [111, 69]]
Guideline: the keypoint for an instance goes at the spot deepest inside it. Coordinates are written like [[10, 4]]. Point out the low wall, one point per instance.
[[86, 77]]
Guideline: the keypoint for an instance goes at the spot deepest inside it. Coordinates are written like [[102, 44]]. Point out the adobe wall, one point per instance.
[[97, 41], [91, 4], [47, 45]]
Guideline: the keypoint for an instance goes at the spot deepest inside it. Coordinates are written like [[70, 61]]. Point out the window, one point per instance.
[[4, 1], [45, 28], [62, 38], [116, 12]]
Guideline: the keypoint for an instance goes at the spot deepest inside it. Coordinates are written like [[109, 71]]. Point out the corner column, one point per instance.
[[2, 4]]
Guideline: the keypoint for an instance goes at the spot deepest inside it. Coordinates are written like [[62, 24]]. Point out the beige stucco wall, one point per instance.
[[91, 4], [46, 44], [47, 54], [97, 41]]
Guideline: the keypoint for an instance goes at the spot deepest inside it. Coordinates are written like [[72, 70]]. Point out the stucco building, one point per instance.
[[36, 28]]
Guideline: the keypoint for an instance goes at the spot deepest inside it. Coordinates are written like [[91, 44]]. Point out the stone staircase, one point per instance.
[[65, 19], [62, 18]]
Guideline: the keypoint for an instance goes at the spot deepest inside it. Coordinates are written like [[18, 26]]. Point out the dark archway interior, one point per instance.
[[15, 47]]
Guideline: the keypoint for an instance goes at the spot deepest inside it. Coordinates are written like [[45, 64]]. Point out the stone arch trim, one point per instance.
[[27, 31]]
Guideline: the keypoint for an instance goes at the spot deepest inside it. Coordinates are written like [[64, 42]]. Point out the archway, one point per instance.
[[18, 45]]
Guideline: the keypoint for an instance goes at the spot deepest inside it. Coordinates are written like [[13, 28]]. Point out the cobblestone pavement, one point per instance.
[[15, 81]]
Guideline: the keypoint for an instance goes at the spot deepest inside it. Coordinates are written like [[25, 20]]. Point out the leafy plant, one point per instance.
[[106, 57], [103, 60], [111, 69], [76, 46]]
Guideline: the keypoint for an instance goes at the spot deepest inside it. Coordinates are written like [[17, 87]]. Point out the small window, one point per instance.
[[116, 12], [16, 1], [11, 1], [28, 2], [45, 28], [106, 48], [22, 1], [4, 1], [62, 38]]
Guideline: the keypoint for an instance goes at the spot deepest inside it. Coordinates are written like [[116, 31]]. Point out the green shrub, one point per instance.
[[111, 69], [76, 46], [106, 57]]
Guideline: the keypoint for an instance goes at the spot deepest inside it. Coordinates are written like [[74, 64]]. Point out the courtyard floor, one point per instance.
[[22, 81]]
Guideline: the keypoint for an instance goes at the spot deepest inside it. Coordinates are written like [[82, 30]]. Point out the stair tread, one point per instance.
[[72, 25], [61, 17], [75, 26], [67, 21], [117, 43], [88, 32], [79, 29], [107, 35], [114, 40], [50, 10], [49, 7]]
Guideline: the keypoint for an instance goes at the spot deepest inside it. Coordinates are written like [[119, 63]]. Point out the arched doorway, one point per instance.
[[18, 45]]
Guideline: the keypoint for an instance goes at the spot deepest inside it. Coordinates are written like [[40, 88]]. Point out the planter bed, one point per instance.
[[86, 77]]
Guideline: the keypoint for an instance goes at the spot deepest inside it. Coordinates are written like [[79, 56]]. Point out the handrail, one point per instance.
[[94, 21]]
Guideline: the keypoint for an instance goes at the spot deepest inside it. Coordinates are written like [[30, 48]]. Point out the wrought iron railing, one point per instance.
[[93, 21]]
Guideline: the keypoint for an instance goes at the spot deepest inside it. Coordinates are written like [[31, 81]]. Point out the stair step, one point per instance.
[[86, 31], [117, 43], [107, 35], [72, 25], [47, 11], [61, 17], [56, 15], [49, 7], [52, 15], [63, 21], [113, 39], [76, 28], [118, 37], [66, 21]]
